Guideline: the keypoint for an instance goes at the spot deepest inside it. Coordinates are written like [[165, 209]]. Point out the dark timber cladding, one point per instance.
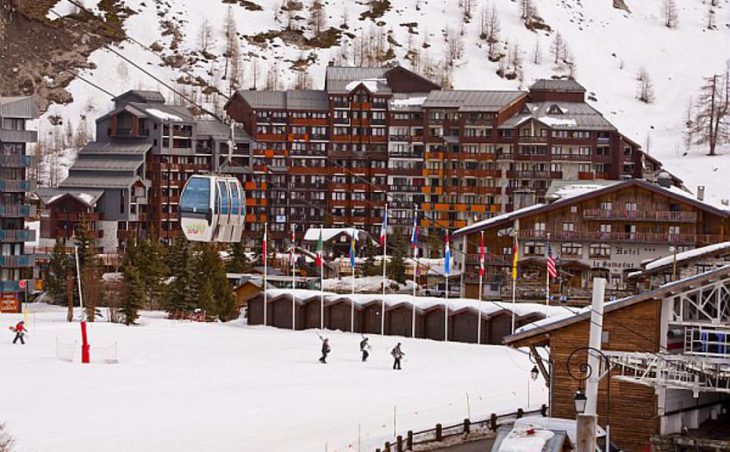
[[333, 157]]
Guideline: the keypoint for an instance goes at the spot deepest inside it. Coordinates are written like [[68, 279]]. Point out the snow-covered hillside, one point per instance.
[[607, 46], [231, 387]]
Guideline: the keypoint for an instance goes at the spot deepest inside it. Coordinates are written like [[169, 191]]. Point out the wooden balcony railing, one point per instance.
[[640, 215], [647, 237]]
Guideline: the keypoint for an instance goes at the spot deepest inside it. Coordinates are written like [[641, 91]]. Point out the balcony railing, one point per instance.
[[16, 161], [640, 215], [532, 139], [648, 237], [17, 211], [17, 261], [7, 185], [17, 235], [707, 341], [579, 157], [18, 136]]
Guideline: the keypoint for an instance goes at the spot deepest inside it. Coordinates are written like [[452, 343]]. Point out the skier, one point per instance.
[[19, 331], [325, 350], [397, 356], [364, 348]]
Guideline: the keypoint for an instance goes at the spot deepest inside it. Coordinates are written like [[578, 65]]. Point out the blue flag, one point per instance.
[[447, 257]]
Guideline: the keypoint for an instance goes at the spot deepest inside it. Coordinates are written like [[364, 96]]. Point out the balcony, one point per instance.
[[404, 171], [76, 216], [597, 236], [128, 133], [16, 161], [18, 136], [511, 174], [17, 211], [17, 261], [17, 235], [572, 157], [640, 215], [19, 186], [532, 139], [404, 188]]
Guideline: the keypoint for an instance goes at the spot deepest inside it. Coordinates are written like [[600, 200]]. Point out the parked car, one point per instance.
[[440, 291]]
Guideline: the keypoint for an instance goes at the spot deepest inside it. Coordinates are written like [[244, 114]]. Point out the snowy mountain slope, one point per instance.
[[608, 46]]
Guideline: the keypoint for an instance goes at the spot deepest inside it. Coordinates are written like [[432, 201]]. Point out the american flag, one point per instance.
[[552, 271]]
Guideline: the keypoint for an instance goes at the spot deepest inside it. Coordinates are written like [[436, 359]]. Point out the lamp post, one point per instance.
[[585, 372]]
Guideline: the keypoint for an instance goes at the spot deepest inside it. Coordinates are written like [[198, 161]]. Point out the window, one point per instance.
[[673, 230], [605, 228], [534, 248], [630, 207], [339, 196], [506, 251], [599, 250], [556, 167], [571, 249], [568, 227], [606, 205], [539, 227]]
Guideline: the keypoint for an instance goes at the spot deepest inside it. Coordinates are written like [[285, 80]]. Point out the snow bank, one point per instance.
[[363, 284]]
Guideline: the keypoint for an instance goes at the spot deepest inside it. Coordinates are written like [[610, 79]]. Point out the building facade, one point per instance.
[[15, 264], [386, 135], [598, 229]]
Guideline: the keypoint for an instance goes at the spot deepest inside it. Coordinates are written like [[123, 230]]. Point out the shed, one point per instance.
[[281, 315], [463, 325], [371, 317], [338, 315], [433, 321], [312, 313], [398, 320]]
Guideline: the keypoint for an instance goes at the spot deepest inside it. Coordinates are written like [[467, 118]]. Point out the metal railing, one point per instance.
[[707, 341]]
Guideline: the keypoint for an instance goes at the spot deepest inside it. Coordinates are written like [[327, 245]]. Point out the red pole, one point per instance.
[[84, 344]]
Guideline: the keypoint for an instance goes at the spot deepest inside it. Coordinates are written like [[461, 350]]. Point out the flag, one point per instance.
[[352, 251], [384, 227], [292, 256], [481, 255], [414, 234], [263, 248], [515, 258], [320, 250], [552, 271], [447, 256]]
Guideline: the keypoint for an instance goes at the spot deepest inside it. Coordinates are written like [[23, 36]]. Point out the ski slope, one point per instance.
[[608, 45], [225, 387]]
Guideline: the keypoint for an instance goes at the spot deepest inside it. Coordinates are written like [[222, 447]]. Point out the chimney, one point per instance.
[[663, 179], [700, 192]]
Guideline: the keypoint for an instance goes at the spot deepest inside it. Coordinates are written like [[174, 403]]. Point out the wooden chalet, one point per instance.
[[669, 350], [594, 229]]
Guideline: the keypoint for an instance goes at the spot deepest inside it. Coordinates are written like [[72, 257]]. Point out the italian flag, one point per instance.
[[320, 249]]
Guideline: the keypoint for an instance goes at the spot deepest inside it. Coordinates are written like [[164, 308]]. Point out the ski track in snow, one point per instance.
[[192, 386]]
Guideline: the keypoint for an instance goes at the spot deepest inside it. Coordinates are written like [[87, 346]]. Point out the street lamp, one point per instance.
[[534, 373], [580, 402]]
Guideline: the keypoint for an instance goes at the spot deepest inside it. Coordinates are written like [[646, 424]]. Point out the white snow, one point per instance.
[[577, 189], [162, 115], [408, 102], [363, 284], [228, 387], [557, 122], [87, 198], [312, 234], [65, 8], [370, 83], [519, 440], [689, 254]]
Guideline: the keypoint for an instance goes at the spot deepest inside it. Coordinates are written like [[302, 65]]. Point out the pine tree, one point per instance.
[[58, 267], [317, 17], [238, 262], [92, 283], [370, 268], [182, 295], [134, 298], [396, 266], [645, 89], [209, 269]]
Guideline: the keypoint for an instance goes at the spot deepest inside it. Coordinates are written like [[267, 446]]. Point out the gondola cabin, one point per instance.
[[212, 209]]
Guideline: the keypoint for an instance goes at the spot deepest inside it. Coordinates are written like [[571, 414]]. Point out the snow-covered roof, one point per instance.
[[690, 254], [373, 85], [163, 115], [479, 225], [402, 101], [51, 195], [312, 234]]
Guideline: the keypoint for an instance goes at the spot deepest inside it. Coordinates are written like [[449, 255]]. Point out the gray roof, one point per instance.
[[21, 107], [50, 195], [165, 112], [338, 77], [283, 100], [465, 100], [566, 86], [98, 181], [126, 147], [561, 115], [220, 131], [145, 95], [104, 164]]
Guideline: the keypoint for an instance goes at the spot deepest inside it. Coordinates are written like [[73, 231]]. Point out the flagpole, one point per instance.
[[385, 261], [293, 281], [321, 282], [414, 240], [515, 258], [547, 276], [352, 264], [481, 285], [447, 267], [266, 264]]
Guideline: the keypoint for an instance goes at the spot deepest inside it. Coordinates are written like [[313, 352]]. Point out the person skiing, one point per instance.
[[19, 330], [325, 350], [397, 356], [364, 348]]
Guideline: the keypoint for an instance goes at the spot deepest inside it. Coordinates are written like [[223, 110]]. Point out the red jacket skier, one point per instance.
[[19, 332]]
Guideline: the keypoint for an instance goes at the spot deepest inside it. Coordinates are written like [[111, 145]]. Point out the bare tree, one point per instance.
[[644, 89], [454, 45], [711, 122], [231, 36], [688, 133], [537, 52], [205, 36], [557, 48], [526, 9], [317, 17], [273, 81], [711, 16], [492, 29], [467, 6], [6, 440], [303, 79], [669, 13], [292, 7]]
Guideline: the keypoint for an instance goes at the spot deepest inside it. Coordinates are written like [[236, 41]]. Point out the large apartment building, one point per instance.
[[15, 265], [130, 179], [387, 135]]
